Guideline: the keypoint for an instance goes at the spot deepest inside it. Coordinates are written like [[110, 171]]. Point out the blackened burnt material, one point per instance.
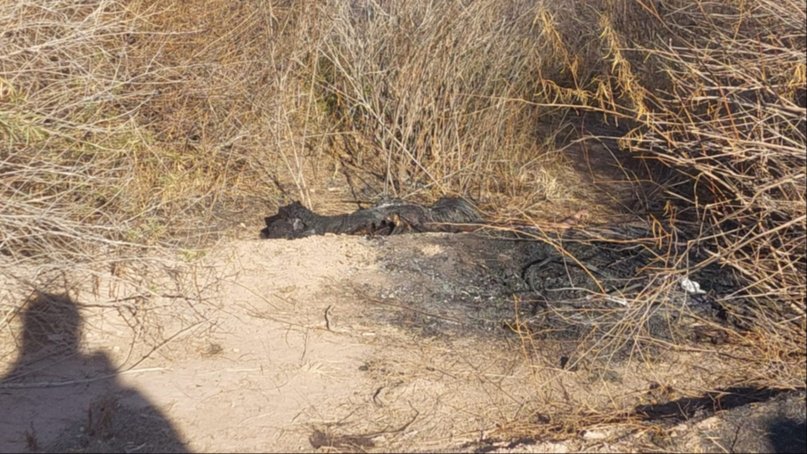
[[449, 214]]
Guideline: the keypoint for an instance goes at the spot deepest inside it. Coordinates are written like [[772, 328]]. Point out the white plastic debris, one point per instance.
[[617, 300], [691, 287]]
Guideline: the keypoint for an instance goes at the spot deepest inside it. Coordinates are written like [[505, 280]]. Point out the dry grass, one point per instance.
[[429, 95], [64, 139], [714, 91], [143, 123], [122, 126]]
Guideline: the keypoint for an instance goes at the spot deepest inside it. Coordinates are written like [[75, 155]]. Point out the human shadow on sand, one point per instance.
[[56, 398]]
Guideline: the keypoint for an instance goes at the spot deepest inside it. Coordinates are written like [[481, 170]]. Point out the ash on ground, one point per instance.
[[473, 284]]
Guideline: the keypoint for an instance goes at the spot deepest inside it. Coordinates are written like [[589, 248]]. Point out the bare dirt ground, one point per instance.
[[324, 343], [338, 343], [284, 345]]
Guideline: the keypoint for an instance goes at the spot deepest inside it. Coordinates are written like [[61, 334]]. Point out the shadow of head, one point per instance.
[[50, 322], [788, 435]]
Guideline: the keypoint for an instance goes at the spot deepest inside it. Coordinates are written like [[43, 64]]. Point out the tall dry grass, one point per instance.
[[64, 136], [715, 92], [141, 123], [429, 95], [132, 124]]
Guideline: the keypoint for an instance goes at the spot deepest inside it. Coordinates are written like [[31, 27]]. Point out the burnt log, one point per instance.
[[449, 214]]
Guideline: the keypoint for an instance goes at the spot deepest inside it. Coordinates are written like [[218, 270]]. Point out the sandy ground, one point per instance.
[[279, 352], [325, 343]]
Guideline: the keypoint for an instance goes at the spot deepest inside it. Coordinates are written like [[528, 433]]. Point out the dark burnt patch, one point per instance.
[[449, 214]]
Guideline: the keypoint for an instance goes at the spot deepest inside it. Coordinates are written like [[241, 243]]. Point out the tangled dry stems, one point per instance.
[[727, 113]]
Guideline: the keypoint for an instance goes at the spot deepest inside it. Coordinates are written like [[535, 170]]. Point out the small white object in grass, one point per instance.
[[617, 300], [691, 287], [594, 435]]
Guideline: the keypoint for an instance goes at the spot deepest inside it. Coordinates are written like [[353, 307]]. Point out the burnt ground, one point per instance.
[[564, 297], [472, 285], [488, 288]]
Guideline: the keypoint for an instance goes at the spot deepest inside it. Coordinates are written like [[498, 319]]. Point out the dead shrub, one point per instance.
[[713, 91], [429, 95]]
